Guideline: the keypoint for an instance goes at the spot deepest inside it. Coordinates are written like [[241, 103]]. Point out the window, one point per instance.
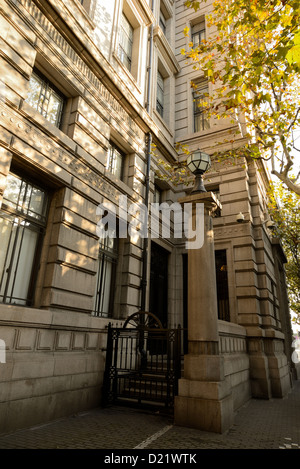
[[125, 42], [106, 274], [198, 33], [160, 94], [22, 224], [199, 107], [162, 22], [115, 161], [45, 98], [222, 285]]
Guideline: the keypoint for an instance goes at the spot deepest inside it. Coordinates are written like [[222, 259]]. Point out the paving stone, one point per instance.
[[260, 424]]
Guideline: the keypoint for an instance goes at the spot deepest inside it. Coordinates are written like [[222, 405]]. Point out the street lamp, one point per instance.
[[198, 162]]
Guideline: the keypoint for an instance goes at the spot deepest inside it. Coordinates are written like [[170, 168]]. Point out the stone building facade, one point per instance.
[[87, 87]]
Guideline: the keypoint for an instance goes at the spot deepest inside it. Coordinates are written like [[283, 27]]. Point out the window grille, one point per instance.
[[115, 161], [43, 97], [22, 225], [126, 42], [104, 295]]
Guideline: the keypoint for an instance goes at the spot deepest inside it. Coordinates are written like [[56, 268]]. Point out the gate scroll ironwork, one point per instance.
[[143, 363]]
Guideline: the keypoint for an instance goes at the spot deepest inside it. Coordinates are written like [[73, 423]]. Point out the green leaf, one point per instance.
[[293, 55]]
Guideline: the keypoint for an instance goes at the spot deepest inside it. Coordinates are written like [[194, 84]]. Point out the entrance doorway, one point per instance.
[[158, 303]]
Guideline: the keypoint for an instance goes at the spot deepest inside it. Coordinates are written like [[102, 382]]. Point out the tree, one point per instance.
[[285, 211], [252, 59]]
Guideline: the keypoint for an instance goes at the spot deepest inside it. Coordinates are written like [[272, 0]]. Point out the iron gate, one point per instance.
[[143, 364]]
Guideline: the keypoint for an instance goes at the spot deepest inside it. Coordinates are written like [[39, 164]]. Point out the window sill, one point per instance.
[[118, 183], [163, 123], [127, 72], [37, 119]]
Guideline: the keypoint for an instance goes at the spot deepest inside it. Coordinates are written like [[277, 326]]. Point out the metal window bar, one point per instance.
[[46, 94], [107, 257], [19, 223]]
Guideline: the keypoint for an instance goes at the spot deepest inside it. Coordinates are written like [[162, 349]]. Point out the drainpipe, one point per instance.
[[148, 141]]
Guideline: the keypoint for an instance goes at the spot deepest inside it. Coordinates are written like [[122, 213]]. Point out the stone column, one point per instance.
[[204, 400]]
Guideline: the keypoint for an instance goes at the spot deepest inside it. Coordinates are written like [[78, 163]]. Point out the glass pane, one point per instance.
[[54, 109], [22, 263], [125, 42], [117, 165], [106, 286], [160, 94], [198, 33], [16, 259], [127, 28], [6, 227], [12, 191], [44, 99], [199, 98], [115, 162], [35, 85], [103, 287], [37, 204], [24, 197]]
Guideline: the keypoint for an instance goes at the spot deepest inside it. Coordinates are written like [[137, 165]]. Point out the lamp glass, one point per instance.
[[198, 161]]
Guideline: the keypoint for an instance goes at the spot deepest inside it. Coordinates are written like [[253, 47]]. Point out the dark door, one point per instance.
[[158, 303]]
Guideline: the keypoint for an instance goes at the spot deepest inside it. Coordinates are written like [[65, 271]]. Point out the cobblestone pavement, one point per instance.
[[259, 424]]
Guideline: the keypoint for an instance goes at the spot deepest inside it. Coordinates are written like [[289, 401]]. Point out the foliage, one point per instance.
[[285, 211], [252, 59], [175, 173]]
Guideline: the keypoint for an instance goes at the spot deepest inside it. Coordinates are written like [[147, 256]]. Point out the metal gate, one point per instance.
[[143, 363]]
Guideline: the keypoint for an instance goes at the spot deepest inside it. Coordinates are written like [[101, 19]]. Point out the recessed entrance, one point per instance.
[[158, 303]]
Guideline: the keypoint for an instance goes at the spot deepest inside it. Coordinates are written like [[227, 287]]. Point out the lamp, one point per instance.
[[198, 162]]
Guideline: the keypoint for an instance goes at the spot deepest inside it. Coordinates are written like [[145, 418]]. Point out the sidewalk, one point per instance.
[[260, 424]]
